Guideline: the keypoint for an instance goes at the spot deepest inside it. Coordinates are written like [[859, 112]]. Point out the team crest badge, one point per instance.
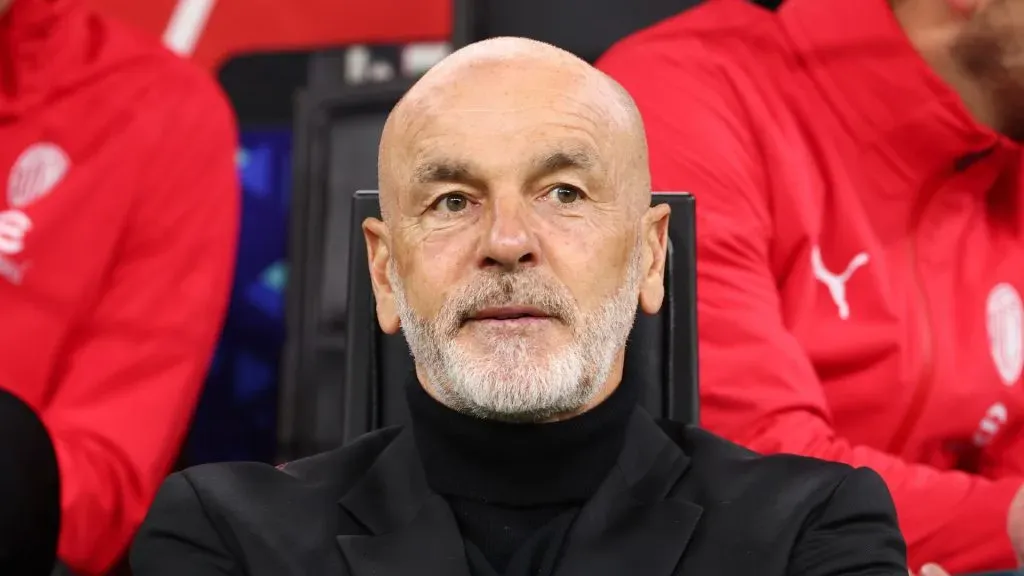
[[35, 173], [1005, 316]]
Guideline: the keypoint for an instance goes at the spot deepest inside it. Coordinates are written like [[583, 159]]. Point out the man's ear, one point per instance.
[[378, 253], [655, 250]]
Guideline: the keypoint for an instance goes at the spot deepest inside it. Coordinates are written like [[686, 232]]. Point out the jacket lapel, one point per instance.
[[634, 524], [412, 530]]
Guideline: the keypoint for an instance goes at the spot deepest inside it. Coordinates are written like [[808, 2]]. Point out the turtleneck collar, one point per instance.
[[519, 464]]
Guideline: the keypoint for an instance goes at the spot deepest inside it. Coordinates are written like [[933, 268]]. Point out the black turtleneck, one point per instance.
[[516, 488]]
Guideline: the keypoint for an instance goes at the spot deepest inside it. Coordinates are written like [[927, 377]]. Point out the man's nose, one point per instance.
[[510, 241]]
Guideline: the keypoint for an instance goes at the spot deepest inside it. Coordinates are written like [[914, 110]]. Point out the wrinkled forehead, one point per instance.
[[541, 131]]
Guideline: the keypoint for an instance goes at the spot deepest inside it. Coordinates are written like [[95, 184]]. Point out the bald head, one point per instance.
[[518, 236], [524, 61], [496, 77]]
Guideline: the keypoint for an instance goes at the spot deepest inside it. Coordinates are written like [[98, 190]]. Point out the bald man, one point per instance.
[[517, 242]]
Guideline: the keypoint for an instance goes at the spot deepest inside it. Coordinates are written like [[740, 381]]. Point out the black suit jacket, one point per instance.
[[680, 501]]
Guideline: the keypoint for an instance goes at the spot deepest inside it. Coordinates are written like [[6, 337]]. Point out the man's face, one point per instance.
[[991, 48], [516, 253]]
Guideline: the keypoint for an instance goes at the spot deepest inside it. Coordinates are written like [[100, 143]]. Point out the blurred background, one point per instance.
[[267, 54]]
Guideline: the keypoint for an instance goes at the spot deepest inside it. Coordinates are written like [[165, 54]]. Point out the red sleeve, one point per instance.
[[758, 387], [128, 389]]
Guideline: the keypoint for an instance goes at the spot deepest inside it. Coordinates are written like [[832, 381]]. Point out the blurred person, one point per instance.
[[517, 242], [860, 252], [118, 209]]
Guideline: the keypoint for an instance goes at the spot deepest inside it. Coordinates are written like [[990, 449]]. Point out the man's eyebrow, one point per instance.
[[446, 171], [559, 160]]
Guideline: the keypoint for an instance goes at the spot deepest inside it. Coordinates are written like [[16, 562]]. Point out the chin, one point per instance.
[[511, 385]]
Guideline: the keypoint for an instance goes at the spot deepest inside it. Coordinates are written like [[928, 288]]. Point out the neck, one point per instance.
[[932, 27], [519, 464]]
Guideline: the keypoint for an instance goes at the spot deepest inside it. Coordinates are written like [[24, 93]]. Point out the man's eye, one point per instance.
[[452, 202], [565, 194]]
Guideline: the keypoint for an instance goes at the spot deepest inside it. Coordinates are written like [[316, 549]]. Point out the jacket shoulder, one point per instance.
[[230, 510], [313, 480], [359, 455], [714, 459], [828, 517]]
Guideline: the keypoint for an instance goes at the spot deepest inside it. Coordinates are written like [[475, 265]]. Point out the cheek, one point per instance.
[[590, 262], [440, 266]]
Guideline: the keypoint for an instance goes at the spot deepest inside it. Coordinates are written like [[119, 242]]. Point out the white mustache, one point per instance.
[[505, 291]]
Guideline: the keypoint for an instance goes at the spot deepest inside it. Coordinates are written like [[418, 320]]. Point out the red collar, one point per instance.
[[883, 92], [40, 43]]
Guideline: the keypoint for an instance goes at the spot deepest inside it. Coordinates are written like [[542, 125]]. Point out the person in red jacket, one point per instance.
[[118, 217], [860, 227]]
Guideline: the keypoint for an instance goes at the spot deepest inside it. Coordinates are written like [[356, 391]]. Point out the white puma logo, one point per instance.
[[836, 283]]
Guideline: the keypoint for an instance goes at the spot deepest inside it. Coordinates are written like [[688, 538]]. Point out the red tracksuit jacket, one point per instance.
[[118, 209], [860, 254]]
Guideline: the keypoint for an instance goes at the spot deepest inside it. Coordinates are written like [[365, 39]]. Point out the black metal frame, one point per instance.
[[684, 364], [316, 112], [364, 409], [281, 73], [465, 18]]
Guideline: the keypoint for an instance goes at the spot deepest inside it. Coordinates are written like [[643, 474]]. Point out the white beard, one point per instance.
[[515, 380]]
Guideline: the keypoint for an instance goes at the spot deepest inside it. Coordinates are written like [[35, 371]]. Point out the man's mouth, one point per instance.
[[510, 316]]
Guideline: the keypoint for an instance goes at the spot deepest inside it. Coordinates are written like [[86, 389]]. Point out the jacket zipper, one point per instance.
[[926, 379]]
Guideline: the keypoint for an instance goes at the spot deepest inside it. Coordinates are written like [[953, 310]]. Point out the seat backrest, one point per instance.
[[337, 131], [586, 28], [661, 352]]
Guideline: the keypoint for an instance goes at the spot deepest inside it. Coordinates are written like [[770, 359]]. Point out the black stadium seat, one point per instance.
[[336, 139]]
